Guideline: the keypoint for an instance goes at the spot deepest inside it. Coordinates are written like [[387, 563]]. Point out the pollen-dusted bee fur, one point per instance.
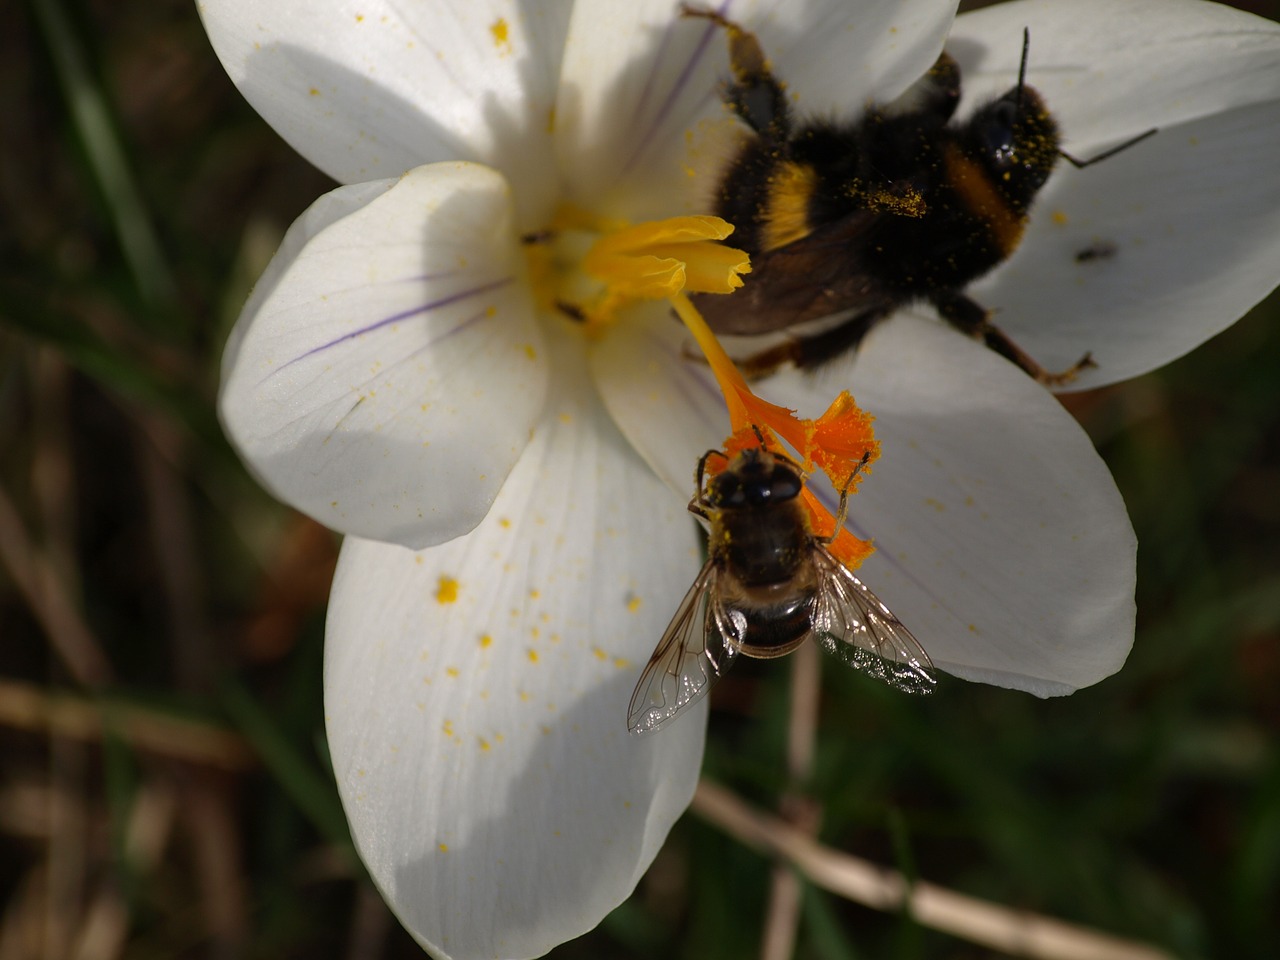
[[768, 585], [865, 216]]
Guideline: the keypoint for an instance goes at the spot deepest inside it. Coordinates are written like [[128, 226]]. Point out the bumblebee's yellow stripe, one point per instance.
[[983, 200], [786, 213]]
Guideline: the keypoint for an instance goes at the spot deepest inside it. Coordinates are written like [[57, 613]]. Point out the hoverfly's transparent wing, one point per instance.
[[691, 656], [851, 622]]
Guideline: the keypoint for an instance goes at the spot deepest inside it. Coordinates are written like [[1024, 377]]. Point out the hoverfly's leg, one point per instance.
[[968, 317], [755, 94], [698, 505], [808, 352], [843, 509], [699, 509]]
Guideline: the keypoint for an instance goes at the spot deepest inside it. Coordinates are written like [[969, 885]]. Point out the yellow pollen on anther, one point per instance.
[[590, 267]]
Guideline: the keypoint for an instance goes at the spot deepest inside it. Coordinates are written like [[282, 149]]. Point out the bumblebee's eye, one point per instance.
[[998, 131]]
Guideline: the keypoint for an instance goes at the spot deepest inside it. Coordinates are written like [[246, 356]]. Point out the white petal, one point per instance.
[[1001, 540], [1110, 69], [384, 376], [640, 98], [1190, 225], [480, 745], [666, 404], [371, 91]]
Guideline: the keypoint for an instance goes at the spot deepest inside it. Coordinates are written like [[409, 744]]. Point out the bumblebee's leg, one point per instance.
[[807, 352], [755, 94], [969, 317]]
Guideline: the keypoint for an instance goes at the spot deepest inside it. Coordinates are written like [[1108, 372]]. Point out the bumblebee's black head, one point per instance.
[[1015, 139], [753, 478]]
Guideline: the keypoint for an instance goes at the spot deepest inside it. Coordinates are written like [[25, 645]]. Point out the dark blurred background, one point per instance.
[[164, 788]]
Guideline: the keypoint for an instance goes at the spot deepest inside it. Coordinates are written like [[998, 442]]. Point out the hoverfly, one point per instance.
[[768, 585]]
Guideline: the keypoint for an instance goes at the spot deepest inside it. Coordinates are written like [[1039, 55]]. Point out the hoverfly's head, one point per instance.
[[754, 477]]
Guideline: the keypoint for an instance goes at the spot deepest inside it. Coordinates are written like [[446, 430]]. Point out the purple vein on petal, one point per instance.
[[395, 318], [677, 88], [382, 375]]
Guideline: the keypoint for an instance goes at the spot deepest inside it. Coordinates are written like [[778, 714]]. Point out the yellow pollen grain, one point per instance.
[[530, 352], [490, 311], [447, 590], [600, 654], [448, 728], [621, 663], [314, 92], [484, 745], [533, 656], [444, 848], [1060, 218], [524, 696], [633, 603], [504, 523], [501, 35], [534, 594], [485, 641], [359, 18], [451, 671]]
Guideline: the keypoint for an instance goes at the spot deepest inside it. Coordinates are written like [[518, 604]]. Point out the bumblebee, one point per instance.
[[768, 585], [866, 216]]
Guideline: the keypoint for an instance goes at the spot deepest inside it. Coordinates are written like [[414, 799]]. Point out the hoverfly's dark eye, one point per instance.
[[727, 491], [784, 484]]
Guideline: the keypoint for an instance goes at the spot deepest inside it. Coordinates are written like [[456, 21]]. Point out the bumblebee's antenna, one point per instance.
[[1081, 164], [1022, 70]]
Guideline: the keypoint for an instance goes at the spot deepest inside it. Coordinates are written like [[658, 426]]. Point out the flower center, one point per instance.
[[588, 268]]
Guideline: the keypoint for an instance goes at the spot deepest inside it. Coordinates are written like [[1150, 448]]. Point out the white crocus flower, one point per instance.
[[511, 558]]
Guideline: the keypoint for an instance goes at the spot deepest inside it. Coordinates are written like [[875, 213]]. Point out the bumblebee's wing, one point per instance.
[[851, 622], [691, 656], [814, 276]]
